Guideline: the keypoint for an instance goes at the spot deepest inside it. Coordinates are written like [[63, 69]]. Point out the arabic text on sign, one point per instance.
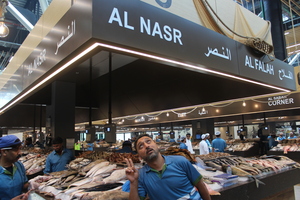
[[226, 54], [165, 32], [259, 65], [64, 39], [283, 75], [182, 115]]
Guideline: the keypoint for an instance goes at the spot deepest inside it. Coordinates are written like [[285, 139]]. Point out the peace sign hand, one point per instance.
[[132, 173]]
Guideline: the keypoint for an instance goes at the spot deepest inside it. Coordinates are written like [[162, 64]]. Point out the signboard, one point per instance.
[[170, 36], [135, 24], [72, 31], [229, 108]]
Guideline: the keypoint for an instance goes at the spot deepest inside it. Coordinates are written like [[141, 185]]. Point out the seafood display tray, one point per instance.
[[284, 180], [292, 155]]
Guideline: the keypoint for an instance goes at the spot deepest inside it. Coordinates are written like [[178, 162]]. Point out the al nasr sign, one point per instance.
[[138, 24]]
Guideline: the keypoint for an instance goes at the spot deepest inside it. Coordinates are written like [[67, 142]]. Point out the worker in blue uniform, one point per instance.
[[126, 148], [182, 144], [59, 157], [163, 177], [12, 172], [218, 144], [281, 137]]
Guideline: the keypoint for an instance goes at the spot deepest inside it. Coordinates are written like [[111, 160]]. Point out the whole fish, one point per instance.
[[91, 165], [81, 182], [106, 169], [96, 168], [116, 175]]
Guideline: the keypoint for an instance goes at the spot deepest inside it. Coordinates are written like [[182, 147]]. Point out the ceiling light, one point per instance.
[[167, 114], [244, 103], [4, 31]]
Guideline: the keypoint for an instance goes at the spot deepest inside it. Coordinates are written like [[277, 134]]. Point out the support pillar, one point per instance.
[[61, 113], [273, 13], [203, 126]]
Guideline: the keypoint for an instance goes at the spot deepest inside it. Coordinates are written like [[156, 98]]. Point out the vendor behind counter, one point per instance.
[[126, 148]]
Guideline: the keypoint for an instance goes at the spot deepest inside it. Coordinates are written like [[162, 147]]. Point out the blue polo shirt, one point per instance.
[[91, 147], [280, 138], [12, 184], [183, 146], [219, 144], [56, 162], [175, 181]]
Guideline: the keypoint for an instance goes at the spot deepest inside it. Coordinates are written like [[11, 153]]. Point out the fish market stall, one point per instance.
[[289, 148], [90, 177], [255, 177], [274, 185], [245, 148], [101, 175]]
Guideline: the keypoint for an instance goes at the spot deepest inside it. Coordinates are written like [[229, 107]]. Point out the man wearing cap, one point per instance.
[[163, 177], [203, 147], [182, 143], [58, 159], [13, 180], [218, 144], [188, 143]]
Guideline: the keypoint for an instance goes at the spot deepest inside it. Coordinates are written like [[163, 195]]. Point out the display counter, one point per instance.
[[274, 184], [294, 155], [253, 151]]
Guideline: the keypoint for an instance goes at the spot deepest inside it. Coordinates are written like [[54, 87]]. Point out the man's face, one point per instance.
[[188, 137], [57, 147], [13, 155], [147, 148]]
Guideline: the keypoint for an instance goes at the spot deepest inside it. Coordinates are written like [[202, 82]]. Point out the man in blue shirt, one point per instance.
[[182, 143], [163, 177], [90, 146], [126, 148], [218, 144], [281, 136], [292, 136], [59, 158], [12, 172]]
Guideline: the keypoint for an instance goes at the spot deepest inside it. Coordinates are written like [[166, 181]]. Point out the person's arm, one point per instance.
[[47, 169], [25, 187], [203, 190], [132, 175]]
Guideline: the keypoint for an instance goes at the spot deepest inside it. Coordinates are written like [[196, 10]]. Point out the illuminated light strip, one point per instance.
[[188, 65], [95, 45], [92, 47]]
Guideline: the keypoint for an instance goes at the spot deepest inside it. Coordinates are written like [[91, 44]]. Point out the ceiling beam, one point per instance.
[[44, 5], [19, 17], [293, 9]]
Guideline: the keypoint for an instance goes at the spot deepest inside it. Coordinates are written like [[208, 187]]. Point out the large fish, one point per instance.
[[91, 165], [103, 170], [114, 194], [96, 168], [81, 182], [116, 175]]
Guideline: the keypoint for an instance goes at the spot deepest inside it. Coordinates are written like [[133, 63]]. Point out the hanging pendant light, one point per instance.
[[4, 31]]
